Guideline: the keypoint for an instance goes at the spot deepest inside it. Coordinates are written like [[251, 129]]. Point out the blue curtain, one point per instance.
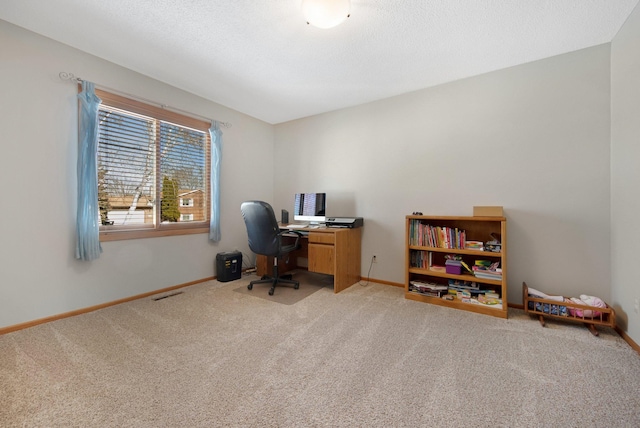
[[88, 217], [216, 156]]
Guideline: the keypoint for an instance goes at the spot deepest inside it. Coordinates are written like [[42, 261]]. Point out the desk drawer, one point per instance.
[[322, 258], [322, 238]]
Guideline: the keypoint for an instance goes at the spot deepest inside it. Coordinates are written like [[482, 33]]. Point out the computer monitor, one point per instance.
[[310, 207]]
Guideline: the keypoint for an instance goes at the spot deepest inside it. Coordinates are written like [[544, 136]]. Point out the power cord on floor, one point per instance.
[[368, 273], [246, 261], [248, 265]]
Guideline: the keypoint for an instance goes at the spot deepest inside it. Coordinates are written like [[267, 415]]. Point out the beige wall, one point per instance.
[[39, 276], [625, 173], [532, 138]]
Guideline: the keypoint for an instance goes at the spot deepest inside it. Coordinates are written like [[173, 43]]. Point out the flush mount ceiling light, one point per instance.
[[325, 13]]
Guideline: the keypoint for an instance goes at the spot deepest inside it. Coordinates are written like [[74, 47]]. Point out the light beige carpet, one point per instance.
[[285, 294], [365, 357]]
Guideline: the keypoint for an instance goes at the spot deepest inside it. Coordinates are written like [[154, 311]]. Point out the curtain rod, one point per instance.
[[73, 78]]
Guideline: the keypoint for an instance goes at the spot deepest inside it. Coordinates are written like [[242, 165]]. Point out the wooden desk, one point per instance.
[[332, 251]]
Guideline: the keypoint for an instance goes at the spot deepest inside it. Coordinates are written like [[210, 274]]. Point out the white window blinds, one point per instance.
[[148, 162]]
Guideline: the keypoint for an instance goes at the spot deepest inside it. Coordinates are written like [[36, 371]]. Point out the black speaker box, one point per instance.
[[285, 217], [228, 266]]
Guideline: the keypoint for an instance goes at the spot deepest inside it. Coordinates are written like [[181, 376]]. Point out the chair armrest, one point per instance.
[[290, 232]]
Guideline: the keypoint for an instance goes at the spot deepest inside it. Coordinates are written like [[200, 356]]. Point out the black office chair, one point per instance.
[[265, 238]]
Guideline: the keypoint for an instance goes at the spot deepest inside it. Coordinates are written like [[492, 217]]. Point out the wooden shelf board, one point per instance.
[[456, 218], [442, 274], [471, 307], [456, 251]]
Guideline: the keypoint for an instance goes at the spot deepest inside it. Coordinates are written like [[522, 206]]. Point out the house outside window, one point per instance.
[[192, 209], [153, 170]]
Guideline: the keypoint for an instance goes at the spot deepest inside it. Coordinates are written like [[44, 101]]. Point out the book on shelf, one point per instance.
[[474, 245], [428, 288], [430, 293], [438, 268], [486, 269], [463, 284], [486, 275], [456, 286], [429, 285], [488, 298], [473, 291], [426, 235], [492, 301], [420, 259], [466, 267]]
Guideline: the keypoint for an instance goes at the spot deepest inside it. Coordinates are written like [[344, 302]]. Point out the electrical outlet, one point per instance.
[[375, 259], [636, 307]]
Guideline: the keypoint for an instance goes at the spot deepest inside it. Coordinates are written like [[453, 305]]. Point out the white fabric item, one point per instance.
[[588, 301], [537, 293], [593, 301]]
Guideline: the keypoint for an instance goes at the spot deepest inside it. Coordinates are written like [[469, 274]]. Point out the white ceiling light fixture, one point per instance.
[[325, 13]]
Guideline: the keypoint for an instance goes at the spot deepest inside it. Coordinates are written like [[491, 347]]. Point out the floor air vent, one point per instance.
[[167, 295]]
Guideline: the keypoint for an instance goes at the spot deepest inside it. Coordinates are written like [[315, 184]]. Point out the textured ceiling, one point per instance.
[[260, 57]]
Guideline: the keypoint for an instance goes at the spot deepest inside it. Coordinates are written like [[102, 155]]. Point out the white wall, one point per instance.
[[625, 175], [532, 138], [39, 276]]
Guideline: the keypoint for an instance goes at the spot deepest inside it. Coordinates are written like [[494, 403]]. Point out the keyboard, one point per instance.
[[296, 226]]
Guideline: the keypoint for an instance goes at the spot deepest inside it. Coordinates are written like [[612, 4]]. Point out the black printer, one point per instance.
[[348, 222]]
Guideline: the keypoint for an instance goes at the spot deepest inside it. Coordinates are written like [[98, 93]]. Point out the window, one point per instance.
[[152, 165]]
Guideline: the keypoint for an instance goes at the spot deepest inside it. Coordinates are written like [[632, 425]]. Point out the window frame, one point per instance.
[[159, 229]]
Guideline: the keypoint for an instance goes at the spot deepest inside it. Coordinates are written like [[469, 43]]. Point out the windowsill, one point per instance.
[[121, 235]]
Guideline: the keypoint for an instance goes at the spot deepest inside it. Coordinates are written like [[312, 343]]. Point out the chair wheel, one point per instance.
[[250, 286], [296, 286], [270, 292]]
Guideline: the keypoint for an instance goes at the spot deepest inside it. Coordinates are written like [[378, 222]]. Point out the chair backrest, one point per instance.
[[262, 227]]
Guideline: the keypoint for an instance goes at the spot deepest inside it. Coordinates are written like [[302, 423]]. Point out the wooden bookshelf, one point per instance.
[[425, 261]]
